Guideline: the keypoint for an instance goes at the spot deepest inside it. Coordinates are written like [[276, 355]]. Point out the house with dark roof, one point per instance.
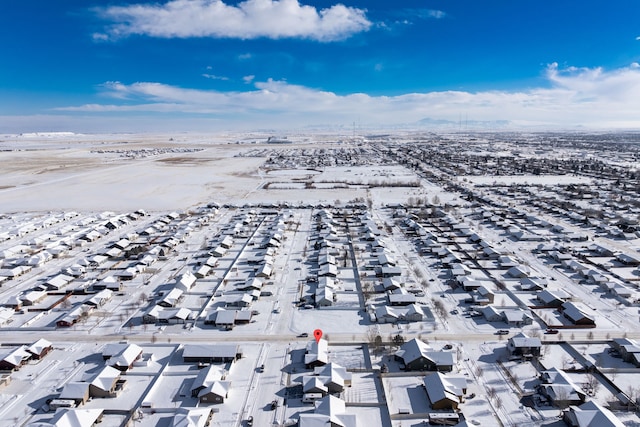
[[418, 356], [211, 353]]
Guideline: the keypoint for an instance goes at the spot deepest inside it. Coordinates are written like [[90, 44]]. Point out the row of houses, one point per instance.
[[21, 258], [13, 359]]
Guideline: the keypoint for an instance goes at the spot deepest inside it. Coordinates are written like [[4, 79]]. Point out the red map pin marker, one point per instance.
[[317, 334]]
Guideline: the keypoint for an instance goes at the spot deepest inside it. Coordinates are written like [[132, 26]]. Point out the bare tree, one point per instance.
[[561, 400], [478, 371], [374, 339], [498, 402], [632, 394], [592, 384], [491, 392]]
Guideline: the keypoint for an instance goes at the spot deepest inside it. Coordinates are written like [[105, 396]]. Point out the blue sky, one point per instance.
[[127, 66]]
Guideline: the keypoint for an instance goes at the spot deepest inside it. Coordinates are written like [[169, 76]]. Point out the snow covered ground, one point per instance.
[[101, 176]]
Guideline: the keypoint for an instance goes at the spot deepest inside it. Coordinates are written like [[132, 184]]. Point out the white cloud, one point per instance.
[[575, 96], [214, 77], [248, 79], [249, 19]]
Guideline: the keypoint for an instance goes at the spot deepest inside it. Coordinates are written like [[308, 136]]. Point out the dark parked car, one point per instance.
[[551, 331]]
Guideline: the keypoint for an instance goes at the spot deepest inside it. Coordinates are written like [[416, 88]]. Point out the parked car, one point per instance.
[[551, 331], [274, 405], [502, 332], [250, 420], [303, 335]]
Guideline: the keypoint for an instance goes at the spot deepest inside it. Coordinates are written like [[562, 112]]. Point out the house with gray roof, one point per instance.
[[524, 345]]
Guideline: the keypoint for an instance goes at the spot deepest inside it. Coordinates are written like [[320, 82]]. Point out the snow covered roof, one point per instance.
[[39, 346], [76, 417], [440, 386], [522, 340], [592, 414], [191, 417], [125, 357], [16, 356], [105, 378], [74, 390], [206, 377], [219, 388], [575, 313]]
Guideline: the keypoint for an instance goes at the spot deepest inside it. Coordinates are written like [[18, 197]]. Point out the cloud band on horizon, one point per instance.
[[575, 96]]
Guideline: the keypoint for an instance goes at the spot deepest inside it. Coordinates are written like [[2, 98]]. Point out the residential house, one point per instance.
[[76, 391], [158, 314], [124, 359], [206, 376], [553, 298], [215, 393], [171, 298], [40, 349], [443, 391], [73, 417], [14, 359], [523, 345], [577, 314], [329, 411], [316, 354], [192, 417], [559, 389], [418, 356], [211, 353], [106, 383], [591, 414]]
